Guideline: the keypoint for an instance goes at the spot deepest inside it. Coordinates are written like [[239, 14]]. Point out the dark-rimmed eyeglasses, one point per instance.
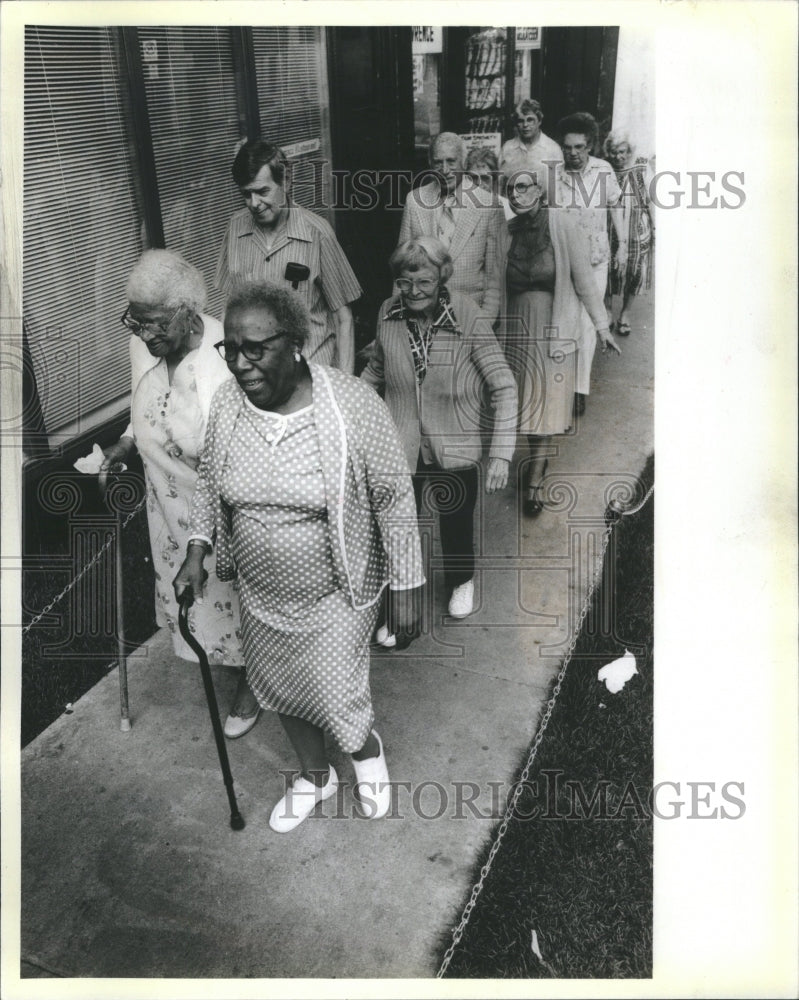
[[520, 188], [253, 350], [139, 329]]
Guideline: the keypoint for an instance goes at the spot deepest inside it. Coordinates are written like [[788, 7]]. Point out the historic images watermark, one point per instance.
[[550, 796], [323, 188]]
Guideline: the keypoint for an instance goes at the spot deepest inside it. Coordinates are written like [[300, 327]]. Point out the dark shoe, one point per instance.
[[579, 403], [623, 329], [533, 504]]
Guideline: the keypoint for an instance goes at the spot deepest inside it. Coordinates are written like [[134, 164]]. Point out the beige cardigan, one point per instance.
[[575, 286]]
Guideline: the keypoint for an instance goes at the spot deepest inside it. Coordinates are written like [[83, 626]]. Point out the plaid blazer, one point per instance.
[[478, 216], [446, 407]]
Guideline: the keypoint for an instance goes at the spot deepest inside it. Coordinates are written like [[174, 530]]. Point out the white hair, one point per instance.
[[449, 139], [618, 137], [164, 278]]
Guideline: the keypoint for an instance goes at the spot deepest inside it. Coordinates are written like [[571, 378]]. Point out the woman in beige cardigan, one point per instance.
[[434, 354], [548, 281]]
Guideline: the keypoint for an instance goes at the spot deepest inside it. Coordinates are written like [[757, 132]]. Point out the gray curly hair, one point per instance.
[[286, 306], [164, 278]]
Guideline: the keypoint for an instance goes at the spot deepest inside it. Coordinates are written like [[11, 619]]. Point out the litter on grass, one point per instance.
[[618, 672], [536, 950]]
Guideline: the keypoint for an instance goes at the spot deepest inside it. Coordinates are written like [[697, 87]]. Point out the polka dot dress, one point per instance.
[[306, 649]]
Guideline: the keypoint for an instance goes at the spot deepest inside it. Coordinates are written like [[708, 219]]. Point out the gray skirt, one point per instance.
[[545, 378]]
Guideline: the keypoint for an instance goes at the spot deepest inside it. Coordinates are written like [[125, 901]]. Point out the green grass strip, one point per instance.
[[572, 879]]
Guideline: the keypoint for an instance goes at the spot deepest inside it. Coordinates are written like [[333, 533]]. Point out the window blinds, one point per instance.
[[84, 197], [82, 229], [194, 120], [293, 104]]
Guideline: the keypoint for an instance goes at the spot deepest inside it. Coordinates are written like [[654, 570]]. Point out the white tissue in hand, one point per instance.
[[616, 674], [91, 463]]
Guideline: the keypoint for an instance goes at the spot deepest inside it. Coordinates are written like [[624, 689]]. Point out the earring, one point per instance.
[[297, 355]]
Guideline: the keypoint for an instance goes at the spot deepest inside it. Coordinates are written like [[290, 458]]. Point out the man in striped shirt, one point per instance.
[[272, 238]]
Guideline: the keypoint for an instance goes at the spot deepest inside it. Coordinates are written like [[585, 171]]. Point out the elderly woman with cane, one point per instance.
[[434, 354], [305, 495], [174, 373]]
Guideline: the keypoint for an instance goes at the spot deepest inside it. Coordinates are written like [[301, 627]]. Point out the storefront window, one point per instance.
[[98, 164], [189, 81], [82, 227], [527, 56], [486, 54], [293, 105]]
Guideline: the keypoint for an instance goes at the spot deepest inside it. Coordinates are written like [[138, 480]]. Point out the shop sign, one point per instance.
[[528, 38], [295, 149], [426, 39], [474, 140]]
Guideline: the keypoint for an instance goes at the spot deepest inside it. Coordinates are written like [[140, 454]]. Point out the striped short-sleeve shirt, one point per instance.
[[303, 238]]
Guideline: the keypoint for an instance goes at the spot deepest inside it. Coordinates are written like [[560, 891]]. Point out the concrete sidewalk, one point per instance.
[[129, 866]]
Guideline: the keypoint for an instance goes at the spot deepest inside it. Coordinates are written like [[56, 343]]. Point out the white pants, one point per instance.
[[587, 335]]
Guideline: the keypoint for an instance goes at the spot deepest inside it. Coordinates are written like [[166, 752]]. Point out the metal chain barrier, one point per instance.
[[91, 563], [612, 517], [619, 510]]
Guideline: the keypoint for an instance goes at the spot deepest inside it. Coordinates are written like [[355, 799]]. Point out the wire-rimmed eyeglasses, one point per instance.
[[424, 285], [139, 328]]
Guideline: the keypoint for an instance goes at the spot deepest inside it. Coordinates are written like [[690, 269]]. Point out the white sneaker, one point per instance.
[[300, 801], [372, 786], [385, 638], [461, 603]]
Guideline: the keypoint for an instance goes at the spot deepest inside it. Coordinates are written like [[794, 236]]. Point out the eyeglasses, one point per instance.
[[520, 188], [253, 350], [424, 285], [139, 329], [529, 120]]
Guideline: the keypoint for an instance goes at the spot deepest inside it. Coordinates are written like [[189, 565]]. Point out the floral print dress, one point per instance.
[[169, 429]]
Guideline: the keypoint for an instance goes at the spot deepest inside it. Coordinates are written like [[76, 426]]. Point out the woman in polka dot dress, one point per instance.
[[304, 492]]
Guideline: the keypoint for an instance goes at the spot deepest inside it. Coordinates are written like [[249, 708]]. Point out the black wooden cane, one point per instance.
[[186, 599]]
